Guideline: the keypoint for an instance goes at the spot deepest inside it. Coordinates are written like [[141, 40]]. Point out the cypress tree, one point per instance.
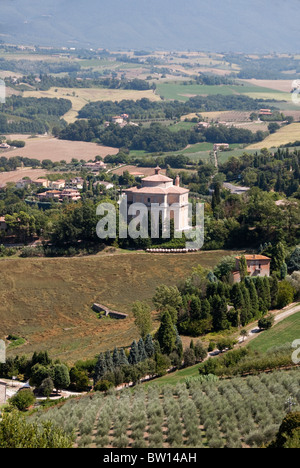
[[267, 292], [116, 357], [166, 334], [205, 309], [274, 287], [219, 313], [246, 311], [243, 268], [253, 299], [122, 358], [100, 368], [142, 351], [236, 296], [149, 346], [134, 354], [195, 308], [109, 361]]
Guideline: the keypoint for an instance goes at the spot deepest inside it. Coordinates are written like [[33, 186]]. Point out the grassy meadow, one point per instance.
[[284, 332], [48, 301], [287, 134], [181, 92]]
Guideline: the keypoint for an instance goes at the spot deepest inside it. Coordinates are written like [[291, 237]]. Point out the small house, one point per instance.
[[257, 265]]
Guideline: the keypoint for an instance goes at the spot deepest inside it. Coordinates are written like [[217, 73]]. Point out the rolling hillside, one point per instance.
[[167, 24], [47, 301]]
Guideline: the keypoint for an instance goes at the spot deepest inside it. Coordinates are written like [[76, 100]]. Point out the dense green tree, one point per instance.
[[134, 357], [22, 400], [166, 334], [149, 346], [219, 313], [61, 377], [143, 320], [100, 368], [142, 351]]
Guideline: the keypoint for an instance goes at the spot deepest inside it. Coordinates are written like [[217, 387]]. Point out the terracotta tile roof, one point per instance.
[[157, 178], [255, 257]]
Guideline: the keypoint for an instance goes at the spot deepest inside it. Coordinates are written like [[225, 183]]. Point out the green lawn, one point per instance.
[[176, 90], [284, 332], [176, 377]]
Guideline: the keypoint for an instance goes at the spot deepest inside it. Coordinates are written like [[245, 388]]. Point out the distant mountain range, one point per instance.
[[250, 26]]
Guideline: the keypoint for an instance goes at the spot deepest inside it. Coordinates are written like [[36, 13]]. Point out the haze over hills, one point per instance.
[[216, 26]]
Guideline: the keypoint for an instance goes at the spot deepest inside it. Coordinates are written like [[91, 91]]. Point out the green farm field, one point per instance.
[[173, 90], [284, 332]]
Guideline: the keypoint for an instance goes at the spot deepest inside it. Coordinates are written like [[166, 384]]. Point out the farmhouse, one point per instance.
[[257, 265], [106, 185], [220, 146], [41, 183], [49, 194], [70, 194], [22, 183], [265, 112], [159, 189], [57, 184], [95, 166]]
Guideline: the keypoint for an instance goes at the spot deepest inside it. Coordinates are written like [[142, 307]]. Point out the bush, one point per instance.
[[266, 323], [22, 400], [286, 294]]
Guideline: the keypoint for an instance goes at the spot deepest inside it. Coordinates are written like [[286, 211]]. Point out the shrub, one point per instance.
[[22, 400]]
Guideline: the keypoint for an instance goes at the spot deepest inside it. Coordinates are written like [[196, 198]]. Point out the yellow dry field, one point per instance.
[[58, 150], [82, 96], [287, 134], [284, 86], [14, 176]]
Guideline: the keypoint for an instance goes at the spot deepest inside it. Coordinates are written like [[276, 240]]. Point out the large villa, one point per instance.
[[159, 189]]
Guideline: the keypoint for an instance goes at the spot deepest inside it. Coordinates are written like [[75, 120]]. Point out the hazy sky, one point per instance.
[[217, 25]]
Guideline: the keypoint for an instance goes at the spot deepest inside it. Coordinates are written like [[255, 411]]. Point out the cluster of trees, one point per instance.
[[268, 171], [151, 356], [244, 361], [156, 138], [11, 164], [27, 67], [146, 109], [214, 80], [210, 302], [32, 115], [47, 375], [264, 68], [45, 82], [118, 368]]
